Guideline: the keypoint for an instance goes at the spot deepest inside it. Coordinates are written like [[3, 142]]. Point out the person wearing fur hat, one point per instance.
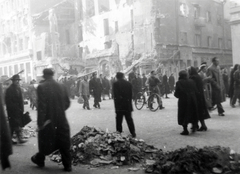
[[15, 107]]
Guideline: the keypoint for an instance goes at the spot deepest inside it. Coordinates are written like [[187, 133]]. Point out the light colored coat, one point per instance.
[[84, 88]]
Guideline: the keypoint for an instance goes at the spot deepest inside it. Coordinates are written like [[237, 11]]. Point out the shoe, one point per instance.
[[14, 141], [83, 107], [35, 161], [21, 141], [221, 114], [202, 129], [167, 97], [184, 133], [233, 106], [104, 99], [94, 106], [67, 169], [161, 107], [88, 108]]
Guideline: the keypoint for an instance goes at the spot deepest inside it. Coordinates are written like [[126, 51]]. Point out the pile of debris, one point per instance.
[[95, 147], [191, 160], [28, 132]]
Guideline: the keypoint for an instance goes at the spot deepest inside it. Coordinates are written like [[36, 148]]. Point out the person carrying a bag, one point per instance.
[[53, 127]]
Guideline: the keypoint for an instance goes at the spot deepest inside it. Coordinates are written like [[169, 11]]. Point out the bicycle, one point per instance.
[[151, 99]]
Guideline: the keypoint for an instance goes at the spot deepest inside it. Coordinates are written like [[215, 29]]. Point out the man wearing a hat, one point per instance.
[[53, 127], [15, 107]]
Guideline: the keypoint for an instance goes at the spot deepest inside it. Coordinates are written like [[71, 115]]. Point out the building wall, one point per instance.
[[15, 45]]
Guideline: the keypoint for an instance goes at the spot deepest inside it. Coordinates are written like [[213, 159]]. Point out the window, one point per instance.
[[132, 24], [220, 44], [39, 55], [197, 40], [90, 9], [184, 10], [5, 71], [116, 26], [196, 12], [219, 20], [208, 16], [183, 37], [106, 27], [209, 41], [189, 62], [68, 41], [1, 73], [229, 44], [16, 69], [20, 44]]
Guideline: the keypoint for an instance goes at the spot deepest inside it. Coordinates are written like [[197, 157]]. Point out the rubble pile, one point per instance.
[[95, 147], [191, 160], [28, 132]]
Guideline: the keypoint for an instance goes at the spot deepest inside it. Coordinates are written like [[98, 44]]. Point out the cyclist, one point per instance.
[[152, 83]]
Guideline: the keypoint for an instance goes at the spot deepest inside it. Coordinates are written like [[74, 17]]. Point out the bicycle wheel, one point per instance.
[[139, 101], [153, 102]]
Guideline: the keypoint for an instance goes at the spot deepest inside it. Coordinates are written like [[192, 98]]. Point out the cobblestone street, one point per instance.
[[157, 128]]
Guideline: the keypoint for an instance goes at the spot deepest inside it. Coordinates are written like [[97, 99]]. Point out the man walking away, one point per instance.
[[15, 107], [53, 127], [218, 94], [96, 89], [171, 82], [122, 92], [84, 92]]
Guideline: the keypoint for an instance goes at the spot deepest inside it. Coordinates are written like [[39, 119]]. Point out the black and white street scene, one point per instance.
[[120, 86]]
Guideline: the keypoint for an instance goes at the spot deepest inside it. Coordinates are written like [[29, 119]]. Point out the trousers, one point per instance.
[[129, 120]]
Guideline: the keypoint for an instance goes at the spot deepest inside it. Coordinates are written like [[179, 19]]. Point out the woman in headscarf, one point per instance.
[[187, 102], [202, 108]]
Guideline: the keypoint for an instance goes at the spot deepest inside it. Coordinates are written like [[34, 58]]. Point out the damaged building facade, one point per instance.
[[15, 39], [154, 34], [56, 36], [111, 35]]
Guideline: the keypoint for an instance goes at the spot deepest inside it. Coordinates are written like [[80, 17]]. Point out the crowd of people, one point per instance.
[[199, 91]]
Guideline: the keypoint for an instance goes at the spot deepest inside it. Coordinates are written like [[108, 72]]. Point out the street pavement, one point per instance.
[[158, 128]]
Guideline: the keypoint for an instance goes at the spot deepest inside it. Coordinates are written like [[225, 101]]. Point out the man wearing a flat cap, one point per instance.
[[15, 107], [53, 127]]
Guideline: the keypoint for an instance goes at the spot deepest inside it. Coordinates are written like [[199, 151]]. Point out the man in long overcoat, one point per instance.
[[15, 107], [53, 127], [187, 102], [165, 85], [5, 137], [96, 89], [122, 92], [218, 92], [171, 82]]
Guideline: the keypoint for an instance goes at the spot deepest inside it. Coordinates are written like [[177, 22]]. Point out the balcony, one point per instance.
[[200, 22]]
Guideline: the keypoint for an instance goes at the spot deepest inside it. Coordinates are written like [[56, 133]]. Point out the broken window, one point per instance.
[[90, 9], [103, 6], [196, 12]]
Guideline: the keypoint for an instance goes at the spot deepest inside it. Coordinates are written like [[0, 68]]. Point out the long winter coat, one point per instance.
[[106, 86], [218, 89], [5, 137], [53, 100], [15, 105], [122, 92], [171, 83], [187, 101], [202, 107], [165, 84], [96, 87]]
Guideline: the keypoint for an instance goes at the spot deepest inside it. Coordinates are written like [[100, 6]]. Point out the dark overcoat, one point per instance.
[[171, 82], [106, 86], [53, 100], [136, 86], [231, 85], [218, 89], [122, 92], [15, 105], [225, 81], [165, 84], [96, 87], [202, 107], [187, 102], [5, 137]]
